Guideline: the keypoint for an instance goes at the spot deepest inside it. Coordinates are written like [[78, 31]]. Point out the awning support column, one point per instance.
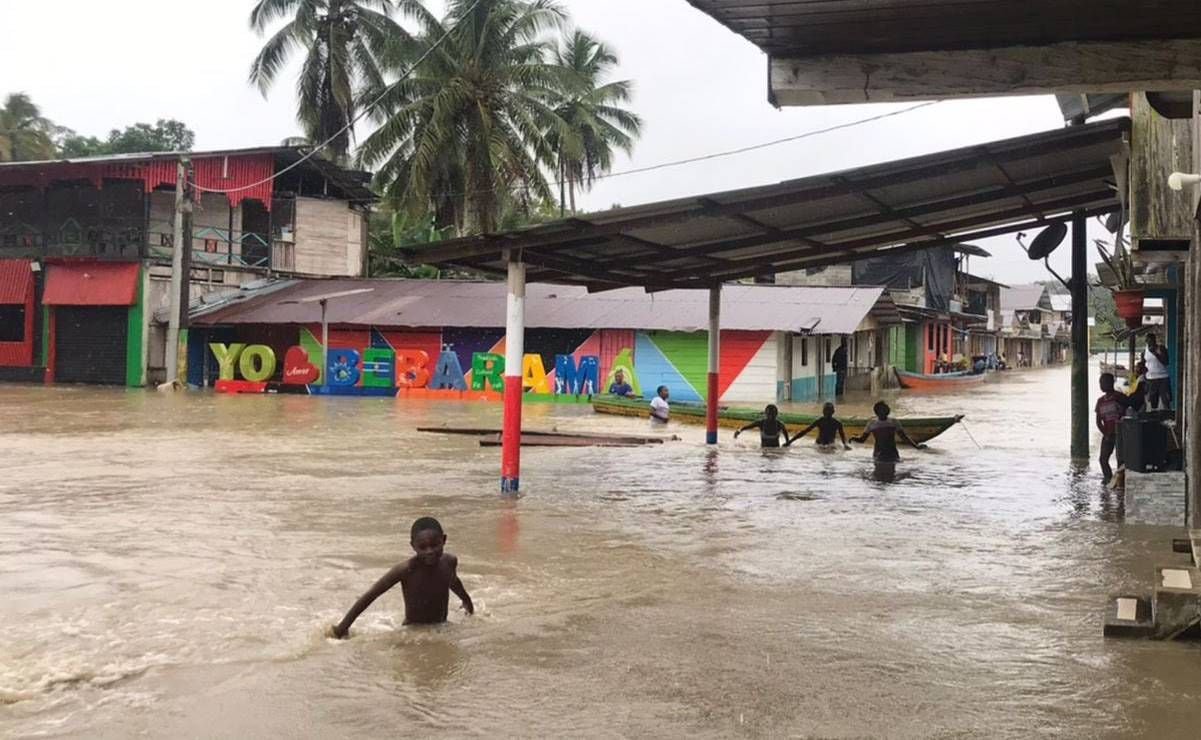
[[1079, 285], [510, 466], [714, 363]]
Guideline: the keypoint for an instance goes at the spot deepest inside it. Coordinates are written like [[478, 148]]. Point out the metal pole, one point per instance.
[[510, 466], [1079, 283], [171, 350], [714, 364], [324, 343]]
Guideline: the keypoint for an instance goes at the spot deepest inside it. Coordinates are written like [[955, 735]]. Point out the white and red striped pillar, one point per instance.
[[714, 363], [510, 465]]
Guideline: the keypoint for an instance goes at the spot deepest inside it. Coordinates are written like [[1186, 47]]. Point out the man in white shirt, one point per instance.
[[1159, 382], [660, 411]]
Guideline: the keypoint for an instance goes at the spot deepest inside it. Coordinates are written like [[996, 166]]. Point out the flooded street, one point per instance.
[[168, 565]]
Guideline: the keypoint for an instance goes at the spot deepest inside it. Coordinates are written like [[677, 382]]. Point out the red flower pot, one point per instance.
[[1130, 306]]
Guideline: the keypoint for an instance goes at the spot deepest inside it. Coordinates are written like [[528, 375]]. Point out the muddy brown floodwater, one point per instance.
[[168, 565]]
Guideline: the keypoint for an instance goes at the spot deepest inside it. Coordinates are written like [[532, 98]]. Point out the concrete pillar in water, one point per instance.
[[1080, 412], [510, 466], [714, 363]]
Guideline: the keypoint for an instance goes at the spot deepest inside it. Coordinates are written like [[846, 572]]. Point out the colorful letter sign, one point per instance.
[[377, 370], [573, 380], [487, 369]]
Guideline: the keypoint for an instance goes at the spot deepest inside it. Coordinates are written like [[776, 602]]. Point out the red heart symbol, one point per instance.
[[297, 368]]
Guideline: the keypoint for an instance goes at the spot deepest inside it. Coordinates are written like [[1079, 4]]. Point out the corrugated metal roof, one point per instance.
[[1024, 298], [354, 183], [910, 204], [16, 280], [437, 303], [1061, 302], [92, 284], [800, 28]]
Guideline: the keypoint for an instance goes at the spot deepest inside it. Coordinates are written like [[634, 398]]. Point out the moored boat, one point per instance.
[[941, 381], [921, 429]]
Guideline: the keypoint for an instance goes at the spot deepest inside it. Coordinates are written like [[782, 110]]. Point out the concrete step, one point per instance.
[[1129, 616], [1176, 601]]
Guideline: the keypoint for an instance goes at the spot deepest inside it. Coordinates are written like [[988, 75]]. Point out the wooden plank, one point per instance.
[[1158, 147], [564, 441], [1086, 67], [490, 432]]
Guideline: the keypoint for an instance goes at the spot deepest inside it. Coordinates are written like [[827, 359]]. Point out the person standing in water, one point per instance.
[[426, 579], [827, 427], [1109, 410], [885, 430], [660, 410], [770, 427], [839, 364], [619, 387]]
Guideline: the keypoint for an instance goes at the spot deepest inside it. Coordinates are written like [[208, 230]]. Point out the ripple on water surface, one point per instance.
[[169, 565]]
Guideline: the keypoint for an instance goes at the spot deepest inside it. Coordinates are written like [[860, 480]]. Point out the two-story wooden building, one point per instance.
[[86, 248]]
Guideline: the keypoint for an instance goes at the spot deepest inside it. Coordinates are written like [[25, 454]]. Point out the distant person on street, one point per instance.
[[885, 430], [1110, 408], [827, 428], [839, 363], [660, 410], [619, 386], [1159, 382], [426, 580], [770, 427]]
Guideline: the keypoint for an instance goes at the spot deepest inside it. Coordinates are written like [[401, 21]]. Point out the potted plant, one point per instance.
[[1127, 294]]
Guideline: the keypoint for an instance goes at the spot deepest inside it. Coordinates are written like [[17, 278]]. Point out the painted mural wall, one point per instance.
[[470, 361]]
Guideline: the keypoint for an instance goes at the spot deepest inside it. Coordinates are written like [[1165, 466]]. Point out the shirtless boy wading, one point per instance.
[[426, 579]]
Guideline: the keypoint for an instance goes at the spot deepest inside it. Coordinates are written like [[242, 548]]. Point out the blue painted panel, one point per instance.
[[805, 389], [654, 370]]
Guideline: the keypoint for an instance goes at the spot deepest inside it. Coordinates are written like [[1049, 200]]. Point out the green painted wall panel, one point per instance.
[[135, 366], [688, 352]]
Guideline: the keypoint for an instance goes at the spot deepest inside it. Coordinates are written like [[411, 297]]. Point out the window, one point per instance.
[[12, 323], [929, 338], [804, 352]]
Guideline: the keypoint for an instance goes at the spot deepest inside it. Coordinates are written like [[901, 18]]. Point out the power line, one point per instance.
[[721, 154], [367, 109]]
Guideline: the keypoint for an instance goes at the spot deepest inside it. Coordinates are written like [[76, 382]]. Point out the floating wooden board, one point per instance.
[[569, 440], [493, 432]]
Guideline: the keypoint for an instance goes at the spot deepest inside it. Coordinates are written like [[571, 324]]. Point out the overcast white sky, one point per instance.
[[699, 88]]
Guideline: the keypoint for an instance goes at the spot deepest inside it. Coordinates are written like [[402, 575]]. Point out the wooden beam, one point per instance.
[[1090, 67]]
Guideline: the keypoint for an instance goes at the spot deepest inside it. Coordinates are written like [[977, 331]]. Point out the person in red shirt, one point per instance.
[[1109, 410]]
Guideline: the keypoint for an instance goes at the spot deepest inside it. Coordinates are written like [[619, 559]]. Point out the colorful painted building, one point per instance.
[[86, 247], [406, 337]]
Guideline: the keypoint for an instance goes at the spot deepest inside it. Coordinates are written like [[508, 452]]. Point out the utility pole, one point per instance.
[[181, 245], [1079, 286]]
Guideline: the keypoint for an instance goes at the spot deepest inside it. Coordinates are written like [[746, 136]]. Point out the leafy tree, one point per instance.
[[467, 133], [592, 110], [165, 135], [342, 42], [25, 134]]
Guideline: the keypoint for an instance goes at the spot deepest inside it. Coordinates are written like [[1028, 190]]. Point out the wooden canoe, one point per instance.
[[921, 429], [940, 382]]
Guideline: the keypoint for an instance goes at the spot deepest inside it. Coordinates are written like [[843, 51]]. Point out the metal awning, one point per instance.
[[937, 199], [800, 28]]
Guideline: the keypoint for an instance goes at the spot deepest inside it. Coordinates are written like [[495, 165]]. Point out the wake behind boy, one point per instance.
[[426, 579]]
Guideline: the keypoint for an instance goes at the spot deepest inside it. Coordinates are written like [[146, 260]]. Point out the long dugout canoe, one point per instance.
[[921, 429]]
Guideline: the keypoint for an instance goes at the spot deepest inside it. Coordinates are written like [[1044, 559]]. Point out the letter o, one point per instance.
[[257, 363]]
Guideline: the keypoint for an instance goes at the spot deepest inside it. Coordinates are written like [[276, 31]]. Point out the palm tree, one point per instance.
[[468, 127], [343, 40], [24, 134], [593, 115]]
